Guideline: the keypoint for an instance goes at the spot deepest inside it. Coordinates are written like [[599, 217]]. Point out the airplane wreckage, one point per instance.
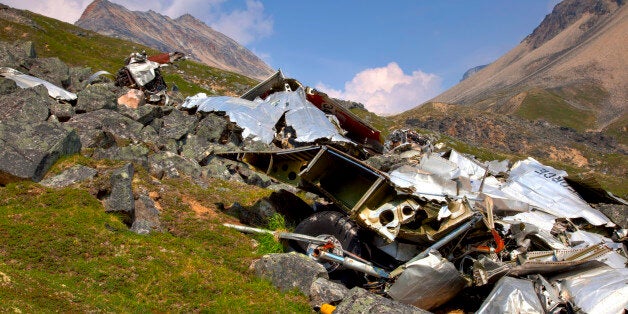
[[433, 226], [439, 223]]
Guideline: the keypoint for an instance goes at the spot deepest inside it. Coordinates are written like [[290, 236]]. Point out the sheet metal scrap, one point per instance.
[[357, 130], [598, 290], [26, 81], [537, 262], [439, 282], [260, 119], [512, 295], [143, 72]]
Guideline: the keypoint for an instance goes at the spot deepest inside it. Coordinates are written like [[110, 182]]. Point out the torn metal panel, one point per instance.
[[262, 88], [545, 188], [538, 262], [143, 72], [26, 81], [599, 290], [512, 295], [167, 57], [497, 167], [427, 283], [258, 118], [308, 121], [422, 184], [357, 130], [468, 167], [439, 166]]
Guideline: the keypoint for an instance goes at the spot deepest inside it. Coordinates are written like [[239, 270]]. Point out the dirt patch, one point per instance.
[[201, 211], [570, 155]]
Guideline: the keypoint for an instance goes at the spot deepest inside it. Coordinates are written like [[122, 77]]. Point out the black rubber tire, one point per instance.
[[345, 230]]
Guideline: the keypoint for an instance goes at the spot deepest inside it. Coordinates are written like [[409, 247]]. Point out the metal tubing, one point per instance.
[[440, 243], [351, 263]]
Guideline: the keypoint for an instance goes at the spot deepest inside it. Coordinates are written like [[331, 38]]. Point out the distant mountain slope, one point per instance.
[[577, 59], [185, 33]]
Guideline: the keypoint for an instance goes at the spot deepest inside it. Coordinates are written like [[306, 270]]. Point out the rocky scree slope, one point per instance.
[[185, 33]]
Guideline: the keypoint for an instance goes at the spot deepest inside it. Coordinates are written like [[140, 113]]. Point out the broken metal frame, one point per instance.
[[364, 193]]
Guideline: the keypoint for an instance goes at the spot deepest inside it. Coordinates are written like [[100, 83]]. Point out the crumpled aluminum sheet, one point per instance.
[[544, 187], [435, 164], [422, 184], [468, 167], [258, 118], [427, 283], [512, 295], [26, 81], [143, 72], [598, 290], [309, 122]]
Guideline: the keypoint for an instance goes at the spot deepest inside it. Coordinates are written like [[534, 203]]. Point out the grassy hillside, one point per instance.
[[543, 104], [78, 47], [60, 250]]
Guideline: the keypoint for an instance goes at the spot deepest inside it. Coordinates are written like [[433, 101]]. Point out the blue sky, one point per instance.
[[392, 56]]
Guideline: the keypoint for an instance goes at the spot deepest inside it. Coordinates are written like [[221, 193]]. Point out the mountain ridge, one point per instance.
[[588, 48], [184, 33]]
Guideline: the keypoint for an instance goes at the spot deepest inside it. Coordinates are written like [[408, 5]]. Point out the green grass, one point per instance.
[[383, 124], [546, 105], [61, 251]]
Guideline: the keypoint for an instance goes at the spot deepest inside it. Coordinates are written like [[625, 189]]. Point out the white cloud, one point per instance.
[[64, 10], [387, 90], [243, 25]]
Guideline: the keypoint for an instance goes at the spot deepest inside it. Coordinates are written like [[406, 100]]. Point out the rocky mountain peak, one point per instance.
[[185, 33], [566, 13]]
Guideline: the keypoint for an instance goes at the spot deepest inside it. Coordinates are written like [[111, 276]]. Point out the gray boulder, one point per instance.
[[121, 199], [96, 97], [30, 105], [215, 168], [617, 213], [170, 165], [28, 150], [63, 111], [78, 76], [326, 291], [288, 271], [143, 114], [7, 58], [360, 301], [102, 128], [197, 148], [146, 216], [177, 124], [7, 86], [52, 70], [74, 174], [213, 129]]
